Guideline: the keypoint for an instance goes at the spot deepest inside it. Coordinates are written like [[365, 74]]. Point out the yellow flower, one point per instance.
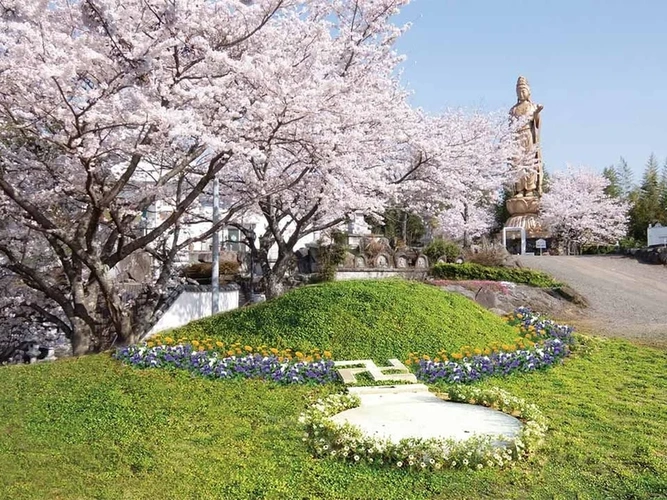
[[273, 350], [248, 348], [201, 348], [457, 355], [436, 359], [426, 357], [149, 344], [195, 343], [478, 351], [220, 344], [169, 340], [327, 354], [230, 353], [299, 354]]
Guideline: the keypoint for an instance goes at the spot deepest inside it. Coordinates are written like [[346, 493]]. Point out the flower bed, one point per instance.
[[211, 364], [327, 438], [544, 344]]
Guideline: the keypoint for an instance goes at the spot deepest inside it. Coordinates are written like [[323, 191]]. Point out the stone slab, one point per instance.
[[385, 389], [397, 415], [349, 374]]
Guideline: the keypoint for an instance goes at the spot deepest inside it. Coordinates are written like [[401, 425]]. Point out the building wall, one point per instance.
[[190, 306], [657, 235]]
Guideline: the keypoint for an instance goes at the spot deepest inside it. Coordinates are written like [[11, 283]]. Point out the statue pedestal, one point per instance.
[[523, 211]]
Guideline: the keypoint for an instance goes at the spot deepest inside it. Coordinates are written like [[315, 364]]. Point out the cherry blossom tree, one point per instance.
[[578, 212], [326, 146], [459, 166], [108, 107]]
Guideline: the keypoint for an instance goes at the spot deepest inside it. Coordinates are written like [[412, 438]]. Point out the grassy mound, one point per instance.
[[375, 320]]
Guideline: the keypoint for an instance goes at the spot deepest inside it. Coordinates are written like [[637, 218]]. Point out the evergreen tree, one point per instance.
[[663, 187], [614, 189], [626, 180], [647, 208]]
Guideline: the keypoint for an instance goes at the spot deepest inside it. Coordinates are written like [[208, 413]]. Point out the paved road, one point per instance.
[[627, 299]]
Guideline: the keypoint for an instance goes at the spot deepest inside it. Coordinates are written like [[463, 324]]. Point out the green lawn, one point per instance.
[[92, 428]]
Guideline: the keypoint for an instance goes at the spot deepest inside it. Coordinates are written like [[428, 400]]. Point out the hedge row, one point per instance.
[[469, 271]]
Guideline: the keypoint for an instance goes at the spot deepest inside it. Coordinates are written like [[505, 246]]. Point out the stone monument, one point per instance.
[[523, 206]]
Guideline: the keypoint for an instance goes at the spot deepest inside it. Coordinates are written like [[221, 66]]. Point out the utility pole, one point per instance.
[[215, 250]]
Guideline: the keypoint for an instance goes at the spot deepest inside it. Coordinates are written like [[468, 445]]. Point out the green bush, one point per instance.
[[330, 256], [470, 271], [442, 248], [370, 319]]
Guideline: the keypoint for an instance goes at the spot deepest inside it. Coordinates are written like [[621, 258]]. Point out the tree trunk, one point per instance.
[[273, 277], [405, 228], [82, 337]]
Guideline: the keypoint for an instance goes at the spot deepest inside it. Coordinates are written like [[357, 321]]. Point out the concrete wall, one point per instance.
[[373, 274], [657, 235], [190, 306]]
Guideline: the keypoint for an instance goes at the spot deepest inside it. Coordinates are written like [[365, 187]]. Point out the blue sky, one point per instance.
[[599, 67]]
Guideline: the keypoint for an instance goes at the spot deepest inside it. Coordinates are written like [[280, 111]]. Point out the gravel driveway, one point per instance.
[[627, 299]]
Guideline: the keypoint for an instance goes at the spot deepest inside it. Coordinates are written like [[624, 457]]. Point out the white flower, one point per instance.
[[356, 458], [479, 466], [465, 461], [399, 464], [431, 461], [422, 465]]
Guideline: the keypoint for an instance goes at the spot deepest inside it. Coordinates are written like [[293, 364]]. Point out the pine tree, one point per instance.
[[647, 208], [614, 189], [663, 187], [625, 178]]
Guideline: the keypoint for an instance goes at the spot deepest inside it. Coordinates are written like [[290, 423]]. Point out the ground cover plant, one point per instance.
[[370, 319], [94, 428], [472, 271]]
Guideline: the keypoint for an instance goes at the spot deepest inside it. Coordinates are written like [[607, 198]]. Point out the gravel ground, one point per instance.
[[627, 299]]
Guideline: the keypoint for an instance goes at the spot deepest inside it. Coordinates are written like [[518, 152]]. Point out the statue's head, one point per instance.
[[522, 89]]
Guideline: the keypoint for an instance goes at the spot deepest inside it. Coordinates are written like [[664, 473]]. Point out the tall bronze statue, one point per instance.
[[523, 206], [529, 163]]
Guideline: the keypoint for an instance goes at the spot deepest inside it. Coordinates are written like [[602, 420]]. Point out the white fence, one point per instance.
[[657, 235], [190, 306]]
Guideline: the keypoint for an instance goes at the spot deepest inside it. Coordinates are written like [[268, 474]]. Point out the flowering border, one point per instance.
[[346, 442], [553, 344], [211, 364]]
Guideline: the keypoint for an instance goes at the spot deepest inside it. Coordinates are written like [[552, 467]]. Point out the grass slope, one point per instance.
[[360, 320], [92, 428]]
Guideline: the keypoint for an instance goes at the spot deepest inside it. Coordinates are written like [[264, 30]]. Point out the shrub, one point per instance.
[[202, 270], [372, 319], [488, 255], [471, 271], [442, 248], [330, 256]]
